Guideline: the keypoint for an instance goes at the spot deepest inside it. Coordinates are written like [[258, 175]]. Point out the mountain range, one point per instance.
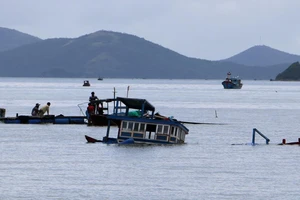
[[110, 54]]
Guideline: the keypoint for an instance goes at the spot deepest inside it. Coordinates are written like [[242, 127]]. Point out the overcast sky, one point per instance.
[[206, 29]]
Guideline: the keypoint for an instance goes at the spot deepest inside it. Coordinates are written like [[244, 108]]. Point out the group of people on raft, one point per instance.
[[93, 108], [36, 111]]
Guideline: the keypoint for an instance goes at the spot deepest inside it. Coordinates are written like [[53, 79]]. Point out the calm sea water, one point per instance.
[[55, 162]]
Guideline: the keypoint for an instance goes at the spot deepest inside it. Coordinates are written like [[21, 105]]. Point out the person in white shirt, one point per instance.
[[44, 109]]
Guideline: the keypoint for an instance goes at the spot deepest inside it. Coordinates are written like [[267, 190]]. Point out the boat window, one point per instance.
[[124, 125], [130, 125], [159, 129], [172, 130], [181, 134], [136, 126], [166, 129], [142, 127]]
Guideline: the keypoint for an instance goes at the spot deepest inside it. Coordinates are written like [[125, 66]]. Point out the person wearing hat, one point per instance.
[[44, 109], [35, 110]]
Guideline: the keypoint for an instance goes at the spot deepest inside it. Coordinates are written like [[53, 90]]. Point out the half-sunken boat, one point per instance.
[[137, 123], [232, 82]]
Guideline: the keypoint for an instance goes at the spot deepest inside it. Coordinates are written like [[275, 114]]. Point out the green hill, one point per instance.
[[292, 73], [10, 39], [117, 55]]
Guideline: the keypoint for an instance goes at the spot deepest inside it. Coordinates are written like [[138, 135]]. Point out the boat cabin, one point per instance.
[[151, 132], [136, 120]]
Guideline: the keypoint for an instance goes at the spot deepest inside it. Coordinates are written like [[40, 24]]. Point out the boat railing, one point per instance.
[[262, 135], [80, 108]]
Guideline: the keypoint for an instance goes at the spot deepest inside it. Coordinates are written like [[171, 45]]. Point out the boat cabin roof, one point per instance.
[[103, 100], [135, 103]]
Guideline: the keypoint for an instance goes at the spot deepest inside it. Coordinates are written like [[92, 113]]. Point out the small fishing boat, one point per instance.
[[100, 79], [232, 82], [86, 83], [137, 123]]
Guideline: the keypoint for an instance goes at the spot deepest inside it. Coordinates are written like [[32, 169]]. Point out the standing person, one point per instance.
[[35, 109], [89, 111], [44, 109], [93, 97]]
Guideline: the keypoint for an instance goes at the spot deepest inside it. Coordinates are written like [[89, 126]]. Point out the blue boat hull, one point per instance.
[[47, 119], [230, 85]]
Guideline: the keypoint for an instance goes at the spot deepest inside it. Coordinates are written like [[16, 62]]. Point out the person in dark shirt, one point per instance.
[[93, 97], [35, 110]]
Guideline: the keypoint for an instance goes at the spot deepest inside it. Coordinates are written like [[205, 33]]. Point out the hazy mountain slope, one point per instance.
[[102, 53], [10, 39], [261, 55], [116, 55]]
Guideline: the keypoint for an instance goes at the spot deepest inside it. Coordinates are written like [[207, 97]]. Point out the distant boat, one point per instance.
[[86, 83], [100, 79], [232, 82]]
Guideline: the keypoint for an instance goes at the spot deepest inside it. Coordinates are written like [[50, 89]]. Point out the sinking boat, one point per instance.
[[232, 82], [137, 123]]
